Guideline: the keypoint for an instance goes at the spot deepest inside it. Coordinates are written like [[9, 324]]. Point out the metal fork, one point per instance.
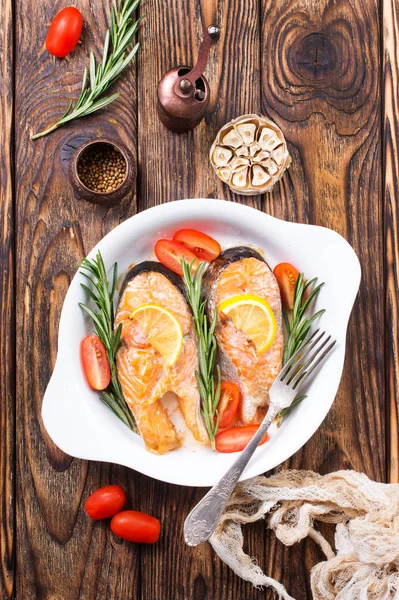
[[202, 520]]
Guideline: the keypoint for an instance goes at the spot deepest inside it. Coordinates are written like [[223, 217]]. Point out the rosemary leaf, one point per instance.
[[110, 401], [105, 51], [103, 298], [101, 104], [98, 322], [113, 28], [297, 326], [207, 347], [92, 71], [68, 110], [286, 411], [114, 60]]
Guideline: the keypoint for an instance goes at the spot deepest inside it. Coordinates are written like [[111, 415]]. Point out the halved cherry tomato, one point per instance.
[[170, 254], [202, 245], [286, 276], [64, 32], [95, 362], [236, 438], [105, 502], [230, 397], [135, 526]]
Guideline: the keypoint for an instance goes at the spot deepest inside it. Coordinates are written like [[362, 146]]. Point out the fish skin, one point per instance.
[[143, 375], [152, 266], [242, 270]]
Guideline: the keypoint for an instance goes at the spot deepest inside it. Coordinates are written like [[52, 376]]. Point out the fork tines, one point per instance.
[[313, 350]]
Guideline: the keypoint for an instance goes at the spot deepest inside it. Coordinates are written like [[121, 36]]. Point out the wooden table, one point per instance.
[[327, 73]]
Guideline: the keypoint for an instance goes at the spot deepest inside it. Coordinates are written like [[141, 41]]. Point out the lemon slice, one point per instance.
[[254, 317], [161, 329]]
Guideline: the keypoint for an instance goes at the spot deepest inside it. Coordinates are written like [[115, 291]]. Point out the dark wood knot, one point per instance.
[[315, 57], [322, 60]]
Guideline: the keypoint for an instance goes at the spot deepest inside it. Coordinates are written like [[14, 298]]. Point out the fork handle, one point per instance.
[[203, 519]]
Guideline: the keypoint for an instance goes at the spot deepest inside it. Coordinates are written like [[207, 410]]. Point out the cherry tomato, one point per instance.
[[135, 526], [202, 245], [230, 397], [286, 276], [64, 32], [105, 502], [236, 438], [95, 362], [170, 254]]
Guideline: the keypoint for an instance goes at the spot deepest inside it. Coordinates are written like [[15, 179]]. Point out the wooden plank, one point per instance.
[[7, 302], [390, 72], [176, 166], [320, 82], [61, 553]]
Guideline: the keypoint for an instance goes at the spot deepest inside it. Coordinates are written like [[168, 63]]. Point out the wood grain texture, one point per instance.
[[61, 553], [7, 303], [313, 67], [320, 83], [390, 28]]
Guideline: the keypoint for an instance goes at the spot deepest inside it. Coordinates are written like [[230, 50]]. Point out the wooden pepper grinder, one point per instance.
[[183, 92]]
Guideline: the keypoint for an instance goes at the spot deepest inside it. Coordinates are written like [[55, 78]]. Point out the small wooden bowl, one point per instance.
[[106, 198]]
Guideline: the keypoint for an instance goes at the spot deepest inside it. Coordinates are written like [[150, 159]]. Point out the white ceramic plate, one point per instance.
[[82, 426]]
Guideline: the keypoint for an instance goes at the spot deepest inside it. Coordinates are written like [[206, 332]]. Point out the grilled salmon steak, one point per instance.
[[158, 354], [239, 276]]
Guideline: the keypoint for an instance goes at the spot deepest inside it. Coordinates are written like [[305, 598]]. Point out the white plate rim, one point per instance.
[[177, 208]]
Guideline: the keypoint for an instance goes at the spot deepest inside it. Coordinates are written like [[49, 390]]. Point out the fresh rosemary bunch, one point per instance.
[[103, 318], [298, 326], [99, 77], [207, 349]]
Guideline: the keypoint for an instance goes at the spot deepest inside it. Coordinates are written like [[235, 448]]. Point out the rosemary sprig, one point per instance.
[[103, 318], [298, 326], [207, 349], [99, 77]]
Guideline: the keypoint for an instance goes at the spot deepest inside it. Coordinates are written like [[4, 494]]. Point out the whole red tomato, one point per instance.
[[135, 526], [105, 502], [64, 32]]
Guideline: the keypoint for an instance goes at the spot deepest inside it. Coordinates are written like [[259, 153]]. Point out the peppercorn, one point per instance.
[[101, 168]]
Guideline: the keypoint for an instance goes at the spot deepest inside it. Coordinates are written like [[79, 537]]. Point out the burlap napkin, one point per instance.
[[365, 563]]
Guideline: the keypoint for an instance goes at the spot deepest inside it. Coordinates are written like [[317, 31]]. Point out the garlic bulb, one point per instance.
[[250, 154]]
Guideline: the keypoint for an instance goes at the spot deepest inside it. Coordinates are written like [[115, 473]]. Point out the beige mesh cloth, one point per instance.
[[365, 564]]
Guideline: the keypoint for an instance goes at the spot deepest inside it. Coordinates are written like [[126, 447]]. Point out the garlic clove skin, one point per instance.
[[239, 178], [268, 139], [221, 156], [239, 161], [250, 154], [232, 138], [260, 156], [270, 165], [247, 131], [259, 176], [225, 173], [242, 151], [278, 155], [254, 148]]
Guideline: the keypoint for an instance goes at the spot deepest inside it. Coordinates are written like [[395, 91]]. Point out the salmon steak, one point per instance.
[[144, 373], [236, 272]]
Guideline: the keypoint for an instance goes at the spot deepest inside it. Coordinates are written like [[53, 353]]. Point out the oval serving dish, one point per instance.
[[83, 427]]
